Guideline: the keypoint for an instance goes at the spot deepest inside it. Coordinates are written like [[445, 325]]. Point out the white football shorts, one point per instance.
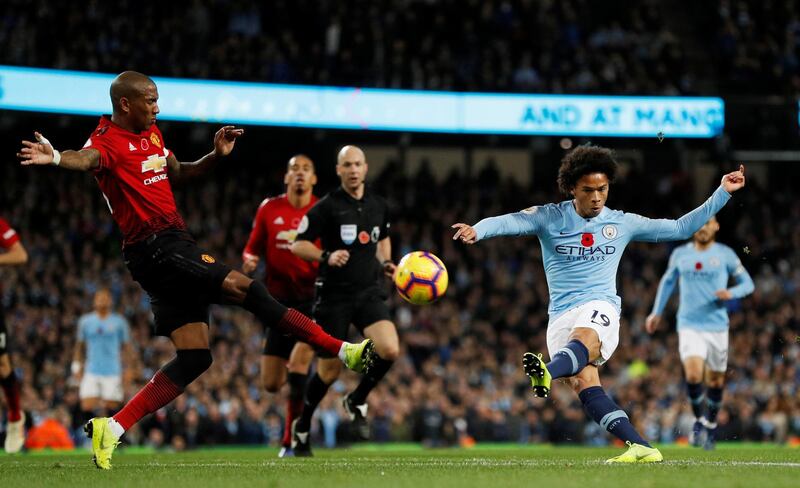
[[598, 315], [712, 347], [107, 388]]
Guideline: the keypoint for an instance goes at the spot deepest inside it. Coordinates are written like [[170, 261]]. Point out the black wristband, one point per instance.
[[325, 255]]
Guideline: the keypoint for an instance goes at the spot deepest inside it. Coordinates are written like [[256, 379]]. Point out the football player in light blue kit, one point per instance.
[[703, 268], [104, 335], [582, 243]]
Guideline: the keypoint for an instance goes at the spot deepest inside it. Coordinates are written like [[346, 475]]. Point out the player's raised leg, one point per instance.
[[253, 296]]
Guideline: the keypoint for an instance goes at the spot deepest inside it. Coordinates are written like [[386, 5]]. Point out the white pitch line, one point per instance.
[[372, 463]]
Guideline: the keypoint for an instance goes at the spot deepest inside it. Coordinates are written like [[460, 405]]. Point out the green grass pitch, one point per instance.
[[729, 466]]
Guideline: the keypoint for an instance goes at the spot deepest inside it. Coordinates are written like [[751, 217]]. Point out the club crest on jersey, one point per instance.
[[144, 145], [348, 233], [376, 232], [155, 140], [609, 232]]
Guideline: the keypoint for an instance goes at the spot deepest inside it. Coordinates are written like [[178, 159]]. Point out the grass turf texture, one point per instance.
[[733, 465]]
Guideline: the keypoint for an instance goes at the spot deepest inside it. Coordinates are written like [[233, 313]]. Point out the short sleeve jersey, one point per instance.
[[103, 337], [340, 221], [288, 277], [133, 178]]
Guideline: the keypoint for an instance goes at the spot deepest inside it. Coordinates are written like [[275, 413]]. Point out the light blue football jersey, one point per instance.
[[700, 274], [104, 339], [581, 255]]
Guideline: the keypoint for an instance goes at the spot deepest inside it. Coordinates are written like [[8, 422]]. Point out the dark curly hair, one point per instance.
[[584, 160]]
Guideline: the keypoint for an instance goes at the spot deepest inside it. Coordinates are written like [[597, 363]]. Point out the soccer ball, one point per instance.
[[421, 278]]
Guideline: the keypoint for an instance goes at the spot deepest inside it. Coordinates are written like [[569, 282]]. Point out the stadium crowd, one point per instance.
[[758, 46], [459, 378], [575, 46]]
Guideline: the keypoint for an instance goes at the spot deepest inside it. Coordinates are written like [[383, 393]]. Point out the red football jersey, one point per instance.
[[8, 236], [274, 230], [133, 178]]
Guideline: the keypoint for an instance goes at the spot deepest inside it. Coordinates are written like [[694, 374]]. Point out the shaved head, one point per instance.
[[129, 84], [298, 159], [349, 153]]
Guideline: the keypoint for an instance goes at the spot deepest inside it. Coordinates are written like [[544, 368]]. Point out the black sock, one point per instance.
[[696, 398], [714, 397], [315, 392], [370, 380], [297, 385], [260, 303]]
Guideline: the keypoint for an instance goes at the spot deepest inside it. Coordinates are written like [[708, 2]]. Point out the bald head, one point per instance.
[[351, 153], [130, 85], [351, 167]]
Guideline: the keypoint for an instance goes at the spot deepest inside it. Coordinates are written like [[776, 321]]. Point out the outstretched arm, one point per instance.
[[527, 222], [224, 140], [42, 153], [659, 230]]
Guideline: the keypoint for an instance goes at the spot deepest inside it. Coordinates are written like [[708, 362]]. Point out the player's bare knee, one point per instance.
[[271, 383], [388, 352], [715, 380], [235, 286], [329, 371]]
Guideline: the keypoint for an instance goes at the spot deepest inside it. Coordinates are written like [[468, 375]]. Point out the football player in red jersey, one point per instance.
[[134, 169], [14, 254], [289, 279]]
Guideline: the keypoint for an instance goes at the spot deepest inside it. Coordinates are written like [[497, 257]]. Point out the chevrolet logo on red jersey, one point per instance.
[[154, 163]]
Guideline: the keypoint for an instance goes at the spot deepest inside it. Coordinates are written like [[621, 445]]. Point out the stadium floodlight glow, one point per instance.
[[82, 93]]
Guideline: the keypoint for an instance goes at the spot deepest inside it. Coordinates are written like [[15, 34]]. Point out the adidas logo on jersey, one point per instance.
[[131, 147], [278, 221]]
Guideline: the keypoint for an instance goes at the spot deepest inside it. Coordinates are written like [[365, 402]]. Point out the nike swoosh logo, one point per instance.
[[564, 233]]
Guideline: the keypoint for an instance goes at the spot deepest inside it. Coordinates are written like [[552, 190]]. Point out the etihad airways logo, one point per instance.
[[586, 251]]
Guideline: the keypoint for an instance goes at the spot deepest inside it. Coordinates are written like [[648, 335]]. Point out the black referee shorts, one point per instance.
[[181, 279], [334, 312], [279, 343], [4, 346]]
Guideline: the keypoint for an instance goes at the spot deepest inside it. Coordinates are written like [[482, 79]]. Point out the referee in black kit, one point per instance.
[[352, 224]]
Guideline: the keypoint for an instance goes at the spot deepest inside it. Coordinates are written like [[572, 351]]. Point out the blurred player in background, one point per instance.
[[103, 340], [703, 268], [13, 254], [134, 169], [352, 225], [582, 242], [289, 279]]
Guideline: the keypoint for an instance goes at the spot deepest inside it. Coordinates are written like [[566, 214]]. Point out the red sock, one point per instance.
[[309, 332], [11, 389], [294, 407], [155, 394]]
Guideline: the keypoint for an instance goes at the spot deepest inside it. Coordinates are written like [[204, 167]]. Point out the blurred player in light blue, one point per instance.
[[703, 268], [582, 243], [104, 335]]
